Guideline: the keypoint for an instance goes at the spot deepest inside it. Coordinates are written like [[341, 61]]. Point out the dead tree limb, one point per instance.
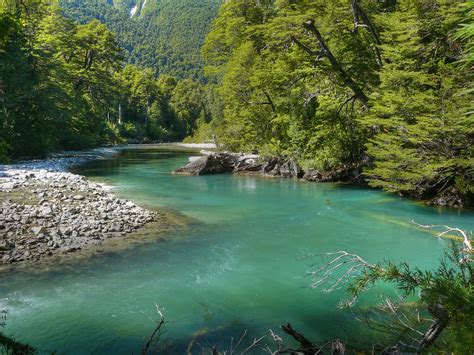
[[359, 14], [155, 333], [309, 51], [467, 245], [344, 267], [306, 346], [440, 322], [269, 101], [326, 52]]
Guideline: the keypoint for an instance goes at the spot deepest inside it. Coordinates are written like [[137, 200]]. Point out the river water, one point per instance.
[[241, 265]]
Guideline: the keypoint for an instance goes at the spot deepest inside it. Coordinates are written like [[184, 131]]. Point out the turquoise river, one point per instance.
[[241, 265]]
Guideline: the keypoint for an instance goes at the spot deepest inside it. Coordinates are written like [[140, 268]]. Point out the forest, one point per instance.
[[65, 85], [380, 89], [382, 86], [165, 35]]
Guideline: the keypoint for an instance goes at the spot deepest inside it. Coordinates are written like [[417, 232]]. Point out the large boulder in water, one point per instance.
[[347, 173], [248, 164], [220, 163], [216, 163], [283, 168]]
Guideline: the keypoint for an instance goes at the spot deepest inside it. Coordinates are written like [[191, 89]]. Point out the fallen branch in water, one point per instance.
[[465, 239], [155, 335]]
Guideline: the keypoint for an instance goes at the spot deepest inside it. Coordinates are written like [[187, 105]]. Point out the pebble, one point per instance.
[[69, 213]]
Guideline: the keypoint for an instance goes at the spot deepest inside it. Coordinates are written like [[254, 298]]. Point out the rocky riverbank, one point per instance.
[[219, 163], [237, 163], [44, 213]]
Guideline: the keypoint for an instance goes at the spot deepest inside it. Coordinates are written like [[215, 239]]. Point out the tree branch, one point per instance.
[[358, 13], [155, 332], [348, 81], [307, 347]]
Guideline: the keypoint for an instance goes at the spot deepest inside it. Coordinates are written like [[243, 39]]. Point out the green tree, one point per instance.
[[445, 293], [188, 103], [57, 81], [380, 85], [423, 139], [165, 35]]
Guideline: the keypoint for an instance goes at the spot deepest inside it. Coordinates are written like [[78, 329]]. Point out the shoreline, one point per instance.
[[49, 215], [65, 160], [280, 167]]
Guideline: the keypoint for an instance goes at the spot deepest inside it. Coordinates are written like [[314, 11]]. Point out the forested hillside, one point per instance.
[[380, 88], [383, 86], [63, 85], [165, 35]]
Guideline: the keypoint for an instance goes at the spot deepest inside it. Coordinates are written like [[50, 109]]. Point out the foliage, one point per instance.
[[165, 35], [277, 100], [55, 81], [423, 137], [167, 109], [63, 86], [433, 309], [447, 293], [381, 84]]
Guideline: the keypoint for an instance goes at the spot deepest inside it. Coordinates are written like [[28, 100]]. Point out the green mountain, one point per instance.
[[165, 35]]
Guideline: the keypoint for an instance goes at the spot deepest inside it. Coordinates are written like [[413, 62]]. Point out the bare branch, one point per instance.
[[344, 76], [352, 265], [254, 344], [359, 13], [309, 51], [466, 241], [155, 332], [307, 347], [240, 340]]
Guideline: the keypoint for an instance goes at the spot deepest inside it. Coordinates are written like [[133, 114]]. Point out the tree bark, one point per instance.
[[306, 346], [440, 322], [120, 114]]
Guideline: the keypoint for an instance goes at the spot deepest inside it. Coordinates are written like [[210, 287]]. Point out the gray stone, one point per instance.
[[217, 163], [5, 245], [38, 230]]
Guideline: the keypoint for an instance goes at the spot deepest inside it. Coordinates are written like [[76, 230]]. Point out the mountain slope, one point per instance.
[[165, 35]]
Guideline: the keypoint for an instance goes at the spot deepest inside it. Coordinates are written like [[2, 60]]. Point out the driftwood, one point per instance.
[[335, 347]]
